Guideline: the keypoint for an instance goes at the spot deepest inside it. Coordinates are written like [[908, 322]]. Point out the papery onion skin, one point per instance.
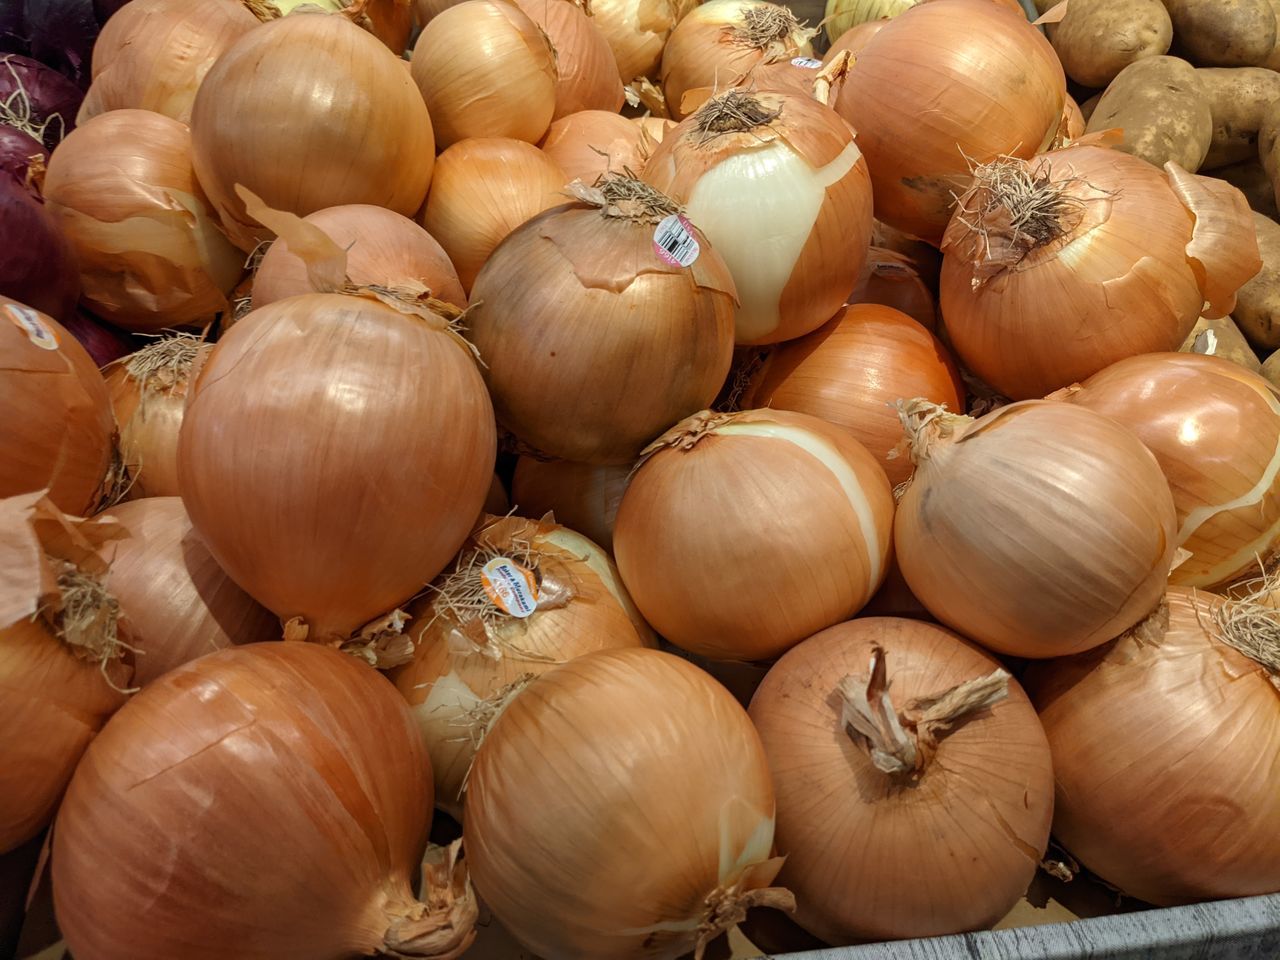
[[37, 263], [582, 496], [654, 748], [637, 30], [854, 40], [801, 498], [318, 390], [46, 99], [574, 143], [16, 150], [586, 71], [892, 280], [369, 140], [871, 856], [1195, 759]]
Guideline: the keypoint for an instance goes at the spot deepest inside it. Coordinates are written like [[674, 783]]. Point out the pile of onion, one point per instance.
[[1040, 530], [590, 143], [602, 323], [797, 249], [56, 433], [368, 140], [61, 667], [990, 84], [741, 534], [1178, 719], [150, 252], [1110, 258], [483, 189], [586, 72], [37, 100], [892, 280], [655, 749], [851, 372], [582, 496], [287, 794], [915, 787], [637, 30], [522, 597]]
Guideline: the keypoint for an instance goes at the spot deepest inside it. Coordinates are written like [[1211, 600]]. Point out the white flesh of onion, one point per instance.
[[595, 558]]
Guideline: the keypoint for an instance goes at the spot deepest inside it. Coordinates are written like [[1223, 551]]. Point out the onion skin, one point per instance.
[[638, 30], [855, 39], [52, 98], [586, 72], [16, 150], [573, 143], [37, 263], [103, 342], [583, 497], [61, 34], [892, 280], [1189, 758]]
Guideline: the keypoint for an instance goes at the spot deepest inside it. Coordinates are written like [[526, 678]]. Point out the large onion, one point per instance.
[[265, 801], [473, 648], [621, 807], [637, 30], [915, 787], [482, 190], [586, 71], [575, 143], [151, 253], [742, 534], [56, 432], [61, 672], [796, 250], [582, 496], [594, 338], [1040, 530], [1113, 258], [37, 264], [852, 370], [989, 83], [1180, 719], [369, 137]]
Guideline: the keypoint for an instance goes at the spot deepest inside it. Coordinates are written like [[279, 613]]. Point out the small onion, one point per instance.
[[797, 249], [892, 280], [265, 801], [586, 71], [368, 135], [1039, 530], [1180, 719], [575, 144], [485, 70], [37, 99], [802, 499], [582, 496], [151, 253], [56, 432], [621, 807], [37, 263], [637, 30], [473, 650], [852, 370], [482, 190], [594, 339], [915, 787], [363, 449]]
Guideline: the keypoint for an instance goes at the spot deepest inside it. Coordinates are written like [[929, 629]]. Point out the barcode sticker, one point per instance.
[[807, 62], [674, 243], [29, 322], [512, 588]]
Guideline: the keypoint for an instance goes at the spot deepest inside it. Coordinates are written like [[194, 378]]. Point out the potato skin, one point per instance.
[[1224, 33], [1257, 312], [1099, 38], [1239, 98], [1160, 105], [1251, 179], [1230, 343]]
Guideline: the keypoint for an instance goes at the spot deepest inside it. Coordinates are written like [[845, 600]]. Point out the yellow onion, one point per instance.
[[61, 667], [801, 498], [796, 250], [368, 135], [486, 70], [892, 280], [1113, 258], [1040, 530], [586, 71], [474, 647], [989, 83], [718, 43], [637, 30], [655, 749], [1180, 718], [266, 801], [852, 370], [655, 130], [57, 430], [334, 455], [914, 782], [495, 500], [150, 251], [594, 338], [1073, 123], [582, 496], [382, 247], [845, 16], [589, 143], [483, 189], [854, 38]]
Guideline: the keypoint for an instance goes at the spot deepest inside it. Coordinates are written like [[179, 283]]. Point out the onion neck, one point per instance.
[[85, 617], [442, 926], [383, 643], [731, 112], [685, 434], [726, 907], [773, 30], [620, 196], [1250, 623], [928, 428]]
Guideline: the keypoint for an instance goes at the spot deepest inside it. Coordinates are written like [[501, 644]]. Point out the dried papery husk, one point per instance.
[[263, 727], [990, 83], [796, 251], [470, 652], [1040, 530], [914, 781], [804, 500], [893, 280], [653, 131], [62, 671], [1214, 427], [594, 344], [1073, 122], [582, 496], [852, 370], [485, 187], [150, 251], [486, 70], [57, 432], [1060, 266], [590, 143], [369, 136], [1179, 718], [587, 75], [655, 748], [637, 30]]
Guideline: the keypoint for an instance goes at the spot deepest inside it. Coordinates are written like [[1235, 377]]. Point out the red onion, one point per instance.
[[104, 342], [37, 267], [61, 34], [38, 99], [16, 150]]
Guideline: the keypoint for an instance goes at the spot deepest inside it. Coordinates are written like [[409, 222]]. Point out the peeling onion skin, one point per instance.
[[637, 30], [582, 496]]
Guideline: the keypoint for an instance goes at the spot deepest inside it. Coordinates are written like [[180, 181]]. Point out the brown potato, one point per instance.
[[1099, 38], [1238, 99], [1159, 104], [1269, 146], [1224, 33], [1221, 338], [1257, 310], [1251, 180]]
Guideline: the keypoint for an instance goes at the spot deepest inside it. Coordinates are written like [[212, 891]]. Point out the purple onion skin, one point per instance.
[[37, 266], [13, 34], [16, 151], [104, 9], [103, 341], [61, 35], [49, 93]]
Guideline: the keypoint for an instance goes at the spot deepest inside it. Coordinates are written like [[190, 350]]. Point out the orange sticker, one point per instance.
[[511, 587], [30, 323]]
